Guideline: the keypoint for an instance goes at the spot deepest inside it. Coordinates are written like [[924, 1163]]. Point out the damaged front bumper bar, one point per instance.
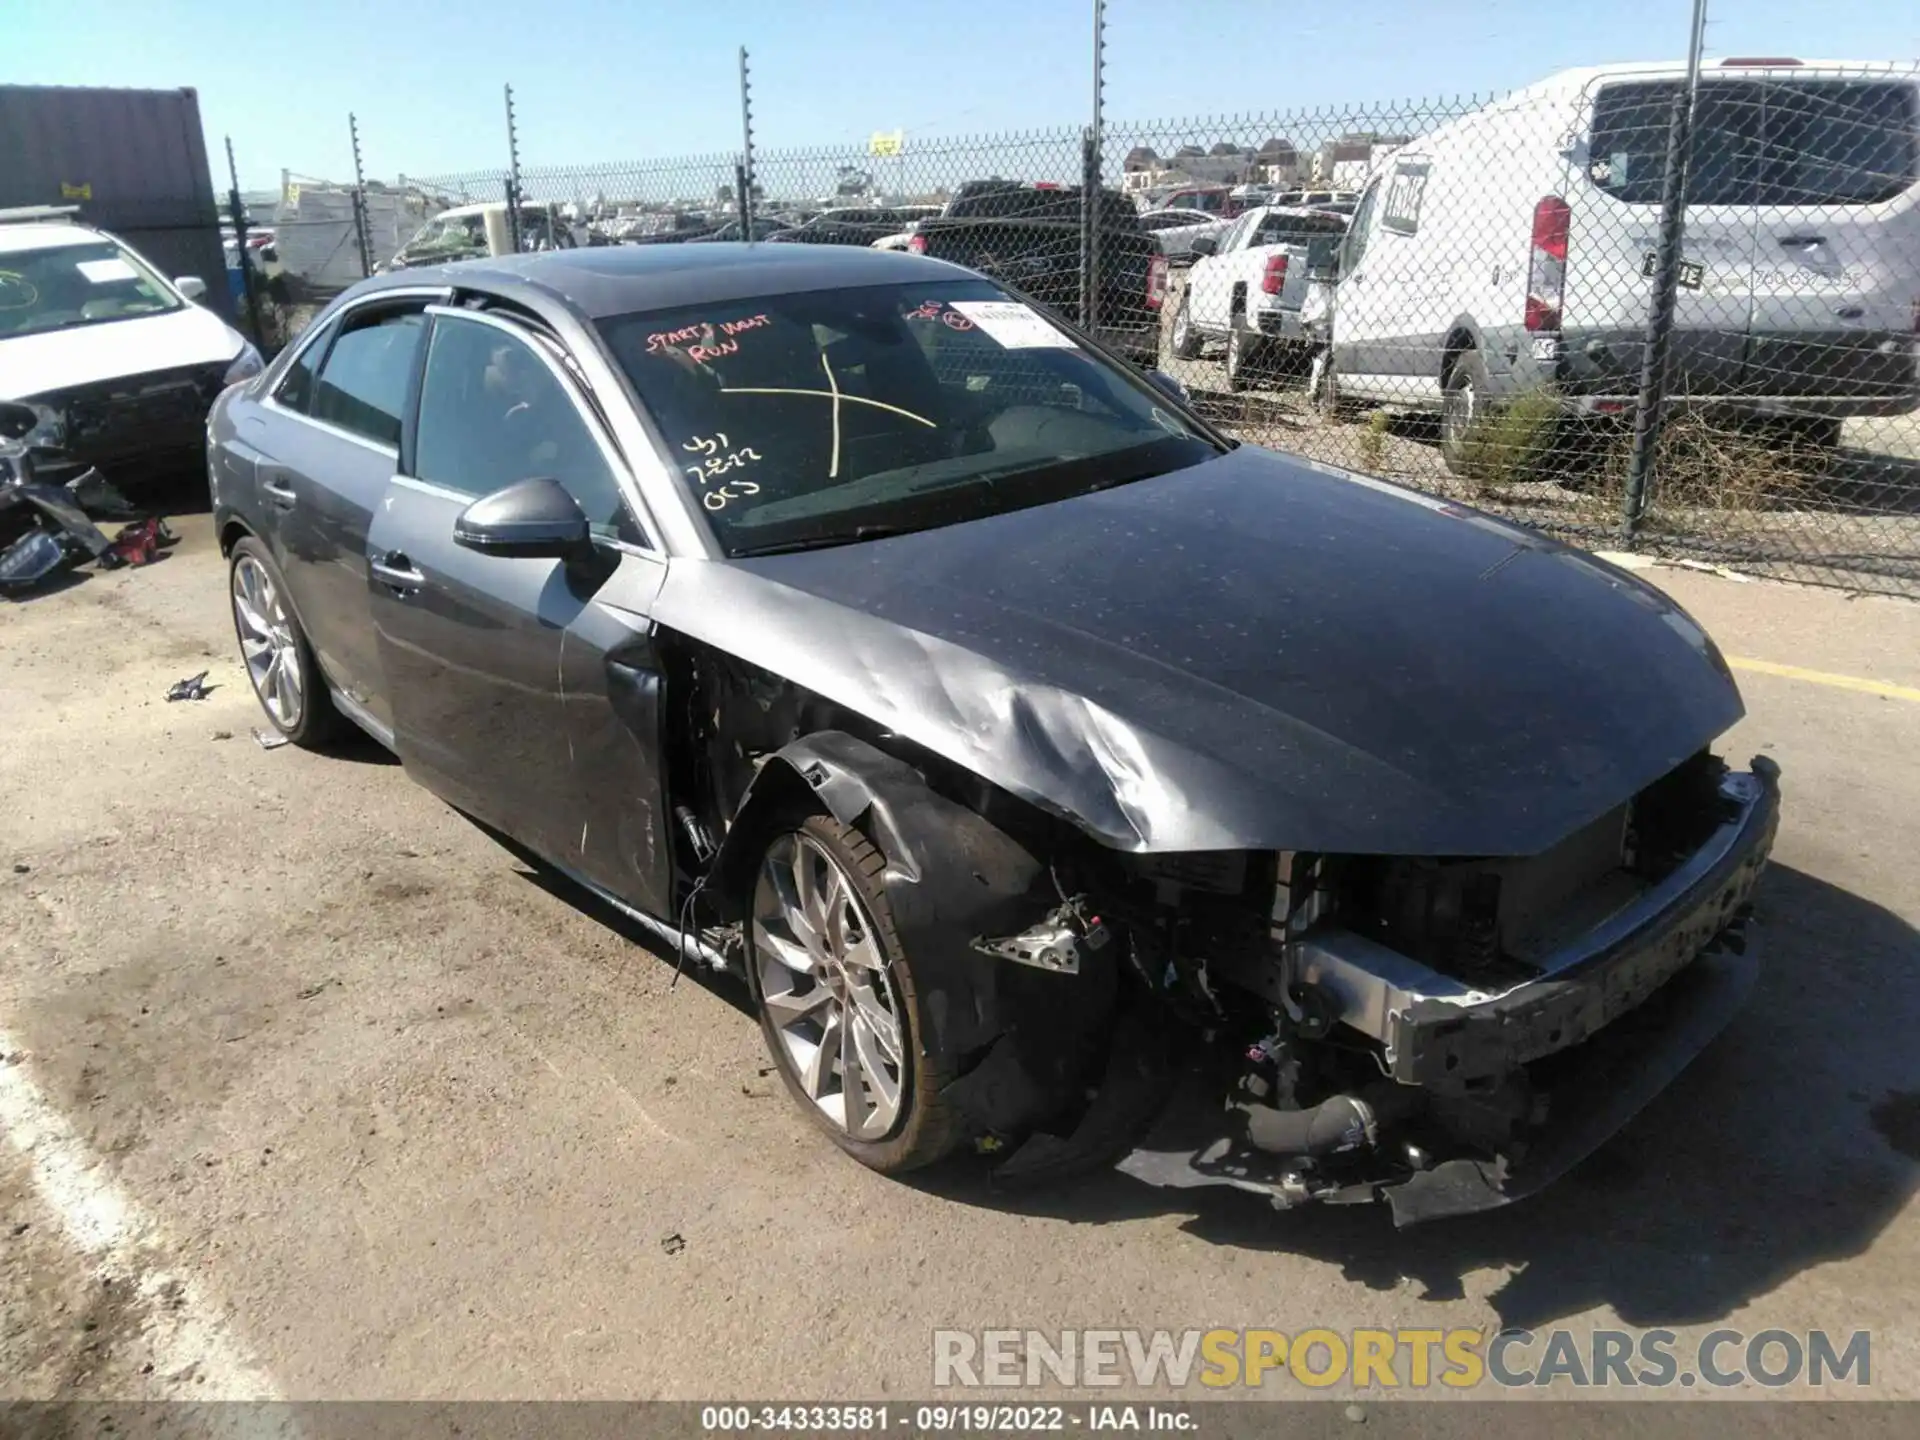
[[1436, 1030], [1614, 1018]]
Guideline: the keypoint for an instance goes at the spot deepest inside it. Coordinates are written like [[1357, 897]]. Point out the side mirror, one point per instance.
[[1165, 382], [191, 286], [528, 520], [1205, 245]]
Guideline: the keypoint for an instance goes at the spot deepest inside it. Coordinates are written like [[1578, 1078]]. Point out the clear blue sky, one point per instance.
[[602, 80]]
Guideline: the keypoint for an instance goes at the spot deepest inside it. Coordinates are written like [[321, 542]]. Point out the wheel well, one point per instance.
[[1459, 341], [231, 534]]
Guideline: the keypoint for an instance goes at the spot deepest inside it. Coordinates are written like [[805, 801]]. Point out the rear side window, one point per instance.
[[1401, 213], [363, 383], [1761, 141]]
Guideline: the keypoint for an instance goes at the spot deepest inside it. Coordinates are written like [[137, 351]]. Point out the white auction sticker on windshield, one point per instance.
[[106, 272], [1013, 325]]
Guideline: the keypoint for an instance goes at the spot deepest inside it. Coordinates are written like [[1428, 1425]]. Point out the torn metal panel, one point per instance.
[[1247, 654], [57, 505]]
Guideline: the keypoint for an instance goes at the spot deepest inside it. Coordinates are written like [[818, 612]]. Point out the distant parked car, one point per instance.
[[467, 232], [853, 225], [1214, 199], [1513, 250], [1342, 200], [1174, 231], [765, 227], [1029, 236], [118, 362], [1249, 287]]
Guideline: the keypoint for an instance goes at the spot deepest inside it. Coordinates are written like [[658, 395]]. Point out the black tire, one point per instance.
[[317, 724], [1247, 356], [1463, 397], [929, 1126], [1186, 339]]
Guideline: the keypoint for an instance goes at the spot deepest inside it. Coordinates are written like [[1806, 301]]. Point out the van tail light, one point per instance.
[[1275, 276], [1156, 282], [1547, 263], [917, 244]]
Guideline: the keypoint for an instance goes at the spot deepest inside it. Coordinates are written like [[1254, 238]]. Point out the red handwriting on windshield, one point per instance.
[[929, 310], [708, 341]]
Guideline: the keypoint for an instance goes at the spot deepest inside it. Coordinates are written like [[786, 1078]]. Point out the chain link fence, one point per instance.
[[1477, 297]]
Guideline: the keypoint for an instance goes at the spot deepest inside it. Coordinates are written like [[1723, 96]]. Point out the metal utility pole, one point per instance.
[[1649, 412], [513, 175], [238, 211], [1091, 166], [745, 181], [360, 227]]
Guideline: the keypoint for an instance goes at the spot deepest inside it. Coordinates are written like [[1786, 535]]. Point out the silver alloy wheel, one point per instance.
[[1182, 326], [267, 642], [1457, 405], [824, 982]]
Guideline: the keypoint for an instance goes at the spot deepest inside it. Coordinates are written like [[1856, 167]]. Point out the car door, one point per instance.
[[327, 439], [1211, 279], [1613, 239], [1836, 239], [524, 691]]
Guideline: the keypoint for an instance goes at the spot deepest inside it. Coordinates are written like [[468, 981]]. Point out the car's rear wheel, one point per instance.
[[280, 665], [1247, 355], [837, 999], [1461, 397], [1186, 339]]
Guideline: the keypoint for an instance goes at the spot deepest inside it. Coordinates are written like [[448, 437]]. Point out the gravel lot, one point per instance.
[[381, 1111]]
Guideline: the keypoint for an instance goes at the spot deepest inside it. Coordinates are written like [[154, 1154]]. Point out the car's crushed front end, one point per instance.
[[1444, 1034]]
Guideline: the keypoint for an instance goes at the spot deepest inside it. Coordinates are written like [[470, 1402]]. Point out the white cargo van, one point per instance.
[[1513, 249]]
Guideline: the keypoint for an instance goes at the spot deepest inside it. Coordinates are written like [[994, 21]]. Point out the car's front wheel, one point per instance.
[[286, 678], [837, 998]]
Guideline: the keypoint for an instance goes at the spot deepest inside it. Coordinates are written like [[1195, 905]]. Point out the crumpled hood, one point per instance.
[[1253, 653], [33, 365]]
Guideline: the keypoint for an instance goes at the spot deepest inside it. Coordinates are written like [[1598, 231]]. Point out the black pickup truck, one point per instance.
[[1029, 237]]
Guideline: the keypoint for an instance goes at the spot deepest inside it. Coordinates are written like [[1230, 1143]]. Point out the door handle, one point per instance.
[[279, 494], [1801, 242], [396, 571]]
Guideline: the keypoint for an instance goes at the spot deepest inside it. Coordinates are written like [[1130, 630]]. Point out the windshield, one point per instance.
[[1761, 142], [835, 415], [453, 237], [73, 285]]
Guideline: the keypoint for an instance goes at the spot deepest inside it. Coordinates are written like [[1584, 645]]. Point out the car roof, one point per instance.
[[18, 238], [606, 280]]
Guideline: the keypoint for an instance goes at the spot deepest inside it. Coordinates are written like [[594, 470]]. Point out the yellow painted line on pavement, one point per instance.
[[1823, 677]]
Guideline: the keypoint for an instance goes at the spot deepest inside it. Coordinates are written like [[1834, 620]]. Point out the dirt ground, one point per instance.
[[314, 1090]]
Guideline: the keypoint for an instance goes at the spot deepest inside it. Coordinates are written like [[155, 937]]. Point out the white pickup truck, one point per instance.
[[1248, 287]]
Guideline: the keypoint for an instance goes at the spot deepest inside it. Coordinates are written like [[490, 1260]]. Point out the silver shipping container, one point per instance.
[[134, 161]]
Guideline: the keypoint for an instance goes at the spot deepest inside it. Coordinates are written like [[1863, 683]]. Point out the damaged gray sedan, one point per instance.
[[1064, 779]]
